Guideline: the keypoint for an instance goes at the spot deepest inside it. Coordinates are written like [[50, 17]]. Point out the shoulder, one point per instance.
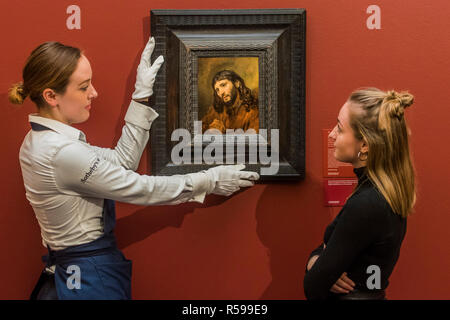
[[248, 110], [42, 144], [211, 112], [369, 202], [46, 145], [254, 109]]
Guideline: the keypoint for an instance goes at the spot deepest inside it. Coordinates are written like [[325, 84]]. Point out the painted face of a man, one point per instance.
[[226, 91]]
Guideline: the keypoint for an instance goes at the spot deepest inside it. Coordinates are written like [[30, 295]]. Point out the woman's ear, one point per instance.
[[364, 146], [50, 97]]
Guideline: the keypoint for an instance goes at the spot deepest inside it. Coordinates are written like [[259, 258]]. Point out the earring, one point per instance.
[[359, 156]]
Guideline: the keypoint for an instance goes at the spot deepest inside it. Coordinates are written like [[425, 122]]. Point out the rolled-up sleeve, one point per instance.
[[134, 138], [79, 170]]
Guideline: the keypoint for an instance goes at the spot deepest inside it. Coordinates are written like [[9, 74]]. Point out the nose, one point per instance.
[[332, 134], [94, 93]]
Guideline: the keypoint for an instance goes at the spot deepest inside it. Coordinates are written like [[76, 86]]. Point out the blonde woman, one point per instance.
[[71, 185], [362, 245]]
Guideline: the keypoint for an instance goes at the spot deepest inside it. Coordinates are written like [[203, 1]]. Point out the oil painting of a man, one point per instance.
[[234, 105]]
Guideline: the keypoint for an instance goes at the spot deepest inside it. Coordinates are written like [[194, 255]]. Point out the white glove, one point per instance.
[[146, 72], [228, 179]]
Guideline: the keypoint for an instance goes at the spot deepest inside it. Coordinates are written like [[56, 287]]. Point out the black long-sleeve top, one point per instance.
[[366, 232]]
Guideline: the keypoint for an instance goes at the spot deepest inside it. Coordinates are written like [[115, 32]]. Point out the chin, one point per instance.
[[86, 115], [81, 119], [86, 118], [345, 160], [338, 158]]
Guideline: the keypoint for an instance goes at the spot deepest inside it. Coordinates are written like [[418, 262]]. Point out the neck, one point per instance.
[[358, 164], [46, 113]]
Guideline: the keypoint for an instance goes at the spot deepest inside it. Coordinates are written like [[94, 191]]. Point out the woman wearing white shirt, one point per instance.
[[68, 182]]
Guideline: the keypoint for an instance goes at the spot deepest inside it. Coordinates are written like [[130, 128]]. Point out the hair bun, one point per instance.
[[407, 99], [17, 93], [397, 102]]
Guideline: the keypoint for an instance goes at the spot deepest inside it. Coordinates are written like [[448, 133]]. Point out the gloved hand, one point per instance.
[[228, 179], [146, 72]]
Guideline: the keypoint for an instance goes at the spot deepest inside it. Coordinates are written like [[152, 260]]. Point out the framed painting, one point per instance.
[[231, 90]]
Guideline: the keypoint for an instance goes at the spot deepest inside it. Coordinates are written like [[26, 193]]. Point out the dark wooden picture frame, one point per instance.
[[275, 36]]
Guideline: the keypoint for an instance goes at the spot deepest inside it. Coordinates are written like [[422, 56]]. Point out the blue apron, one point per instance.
[[94, 270]]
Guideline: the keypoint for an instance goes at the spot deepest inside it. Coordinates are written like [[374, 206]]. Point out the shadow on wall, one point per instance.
[[149, 220], [287, 215], [131, 79]]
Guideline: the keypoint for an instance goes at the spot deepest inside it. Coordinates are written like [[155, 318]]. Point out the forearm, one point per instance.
[[79, 171], [134, 138], [350, 236]]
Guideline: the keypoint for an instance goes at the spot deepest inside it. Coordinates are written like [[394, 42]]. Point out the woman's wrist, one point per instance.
[[311, 262], [141, 100]]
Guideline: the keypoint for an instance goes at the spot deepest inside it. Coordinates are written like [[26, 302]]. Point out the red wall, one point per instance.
[[255, 244]]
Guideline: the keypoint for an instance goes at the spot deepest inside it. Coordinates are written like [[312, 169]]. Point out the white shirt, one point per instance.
[[66, 179]]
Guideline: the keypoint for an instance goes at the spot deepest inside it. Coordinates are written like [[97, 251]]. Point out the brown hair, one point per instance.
[[50, 65], [245, 93], [377, 117]]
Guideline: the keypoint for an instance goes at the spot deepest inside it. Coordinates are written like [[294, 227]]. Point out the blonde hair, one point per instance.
[[377, 117], [50, 65]]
